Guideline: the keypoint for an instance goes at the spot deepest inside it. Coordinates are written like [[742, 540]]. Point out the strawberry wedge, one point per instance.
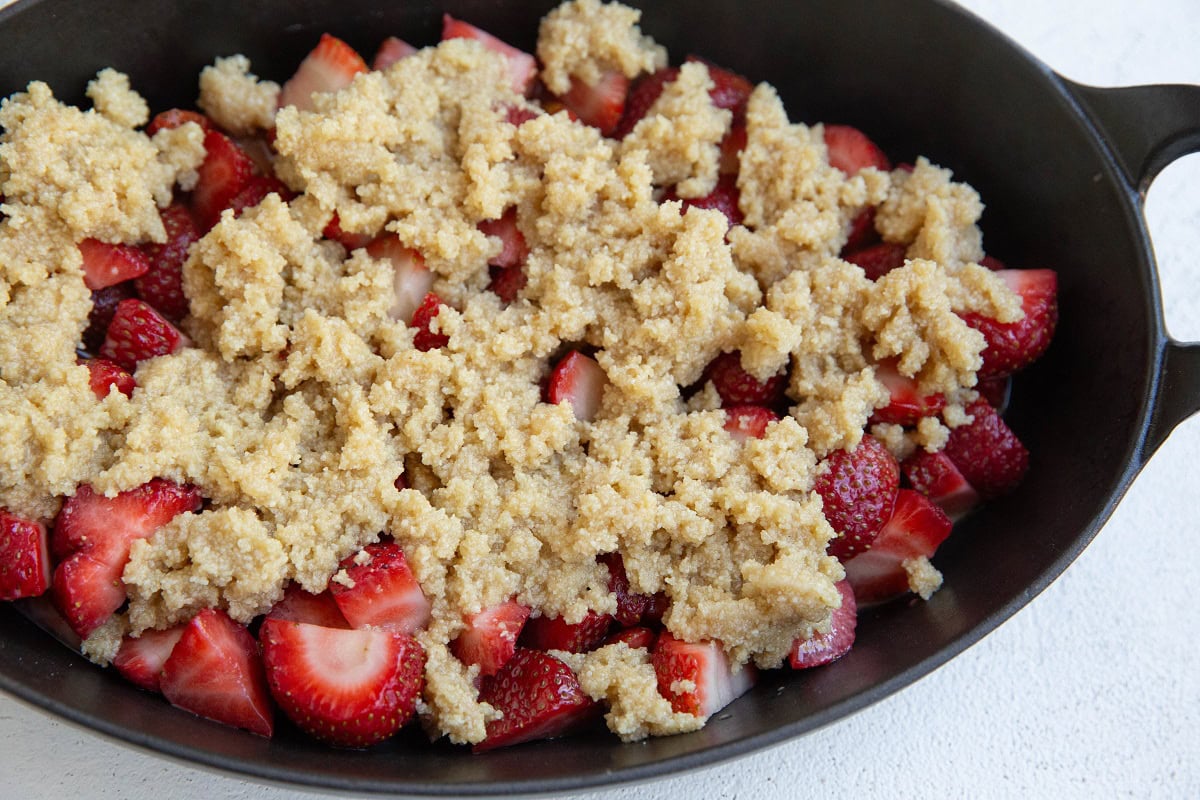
[[490, 638], [935, 476], [1015, 345], [539, 697], [385, 593], [739, 388], [138, 332], [850, 150], [105, 264], [522, 67], [987, 452], [412, 279], [104, 376], [906, 405], [823, 648], [140, 660], [223, 174], [24, 557], [916, 529], [580, 381], [330, 66], [298, 605], [600, 105], [390, 51], [215, 672], [697, 678], [748, 422], [555, 633]]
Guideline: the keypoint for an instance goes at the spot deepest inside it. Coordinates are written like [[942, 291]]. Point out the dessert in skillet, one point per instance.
[[500, 391]]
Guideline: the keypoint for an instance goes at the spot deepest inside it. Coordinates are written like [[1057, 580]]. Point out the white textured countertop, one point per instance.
[[1092, 690]]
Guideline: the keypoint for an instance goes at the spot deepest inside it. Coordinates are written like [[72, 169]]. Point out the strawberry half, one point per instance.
[[580, 381], [850, 150], [330, 66], [215, 672], [140, 661], [349, 688], [108, 264], [225, 171], [553, 633], [162, 285], [138, 332], [422, 319], [1015, 345], [697, 678], [390, 51], [987, 453], [104, 376], [878, 260], [635, 638], [298, 605], [93, 534], [739, 388], [412, 279], [916, 529], [601, 105], [858, 490], [174, 118], [642, 95], [24, 557], [825, 647], [748, 422], [906, 405], [935, 476], [724, 198], [490, 638], [385, 593], [522, 67], [539, 697]]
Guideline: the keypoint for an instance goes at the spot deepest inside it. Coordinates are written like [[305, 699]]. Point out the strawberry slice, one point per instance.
[[174, 118], [108, 264], [580, 381], [906, 405], [215, 672], [724, 198], [93, 534], [935, 476], [105, 376], [330, 66], [748, 422], [138, 332], [349, 688], [858, 490], [635, 638], [298, 605], [412, 278], [642, 95], [697, 678], [825, 647], [739, 388], [256, 190], [539, 697], [350, 241], [390, 51], [916, 529], [225, 171], [1015, 345], [987, 453], [104, 307], [522, 67], [878, 260], [601, 105], [162, 285], [24, 557], [422, 319], [141, 660], [385, 593], [553, 633], [850, 150], [514, 250], [630, 605], [490, 638]]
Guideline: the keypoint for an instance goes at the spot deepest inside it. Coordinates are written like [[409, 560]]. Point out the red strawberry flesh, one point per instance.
[[425, 338], [490, 638], [299, 605], [24, 557], [697, 678], [138, 332], [390, 51], [140, 660], [823, 648], [225, 171], [106, 264], [522, 68], [935, 476], [1013, 346], [850, 150], [555, 633], [748, 422], [906, 405], [580, 381], [601, 105], [330, 66], [385, 593], [162, 285], [105, 375], [878, 260], [916, 529], [739, 388]]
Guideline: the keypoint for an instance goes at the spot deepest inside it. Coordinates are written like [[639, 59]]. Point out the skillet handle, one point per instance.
[[1147, 128]]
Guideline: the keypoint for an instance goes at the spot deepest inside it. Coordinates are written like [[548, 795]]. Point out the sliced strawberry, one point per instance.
[[162, 285], [138, 332], [697, 678], [580, 381], [24, 557], [935, 476], [635, 638], [730, 90], [916, 529], [748, 422], [539, 697], [350, 241], [108, 264], [215, 672], [825, 647], [298, 605], [514, 250], [862, 233], [330, 66], [385, 593], [878, 260], [412, 278], [93, 534], [522, 67], [174, 118], [724, 198], [105, 376], [996, 391], [858, 490], [644, 92], [104, 306], [507, 282], [422, 319], [850, 150], [906, 405], [256, 190], [630, 605], [390, 51], [987, 453], [731, 149], [553, 633], [601, 105], [225, 171], [349, 688], [1015, 345], [141, 660], [490, 638], [739, 388]]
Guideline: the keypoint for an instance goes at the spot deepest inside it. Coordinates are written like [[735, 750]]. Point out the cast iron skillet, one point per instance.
[[1062, 167]]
